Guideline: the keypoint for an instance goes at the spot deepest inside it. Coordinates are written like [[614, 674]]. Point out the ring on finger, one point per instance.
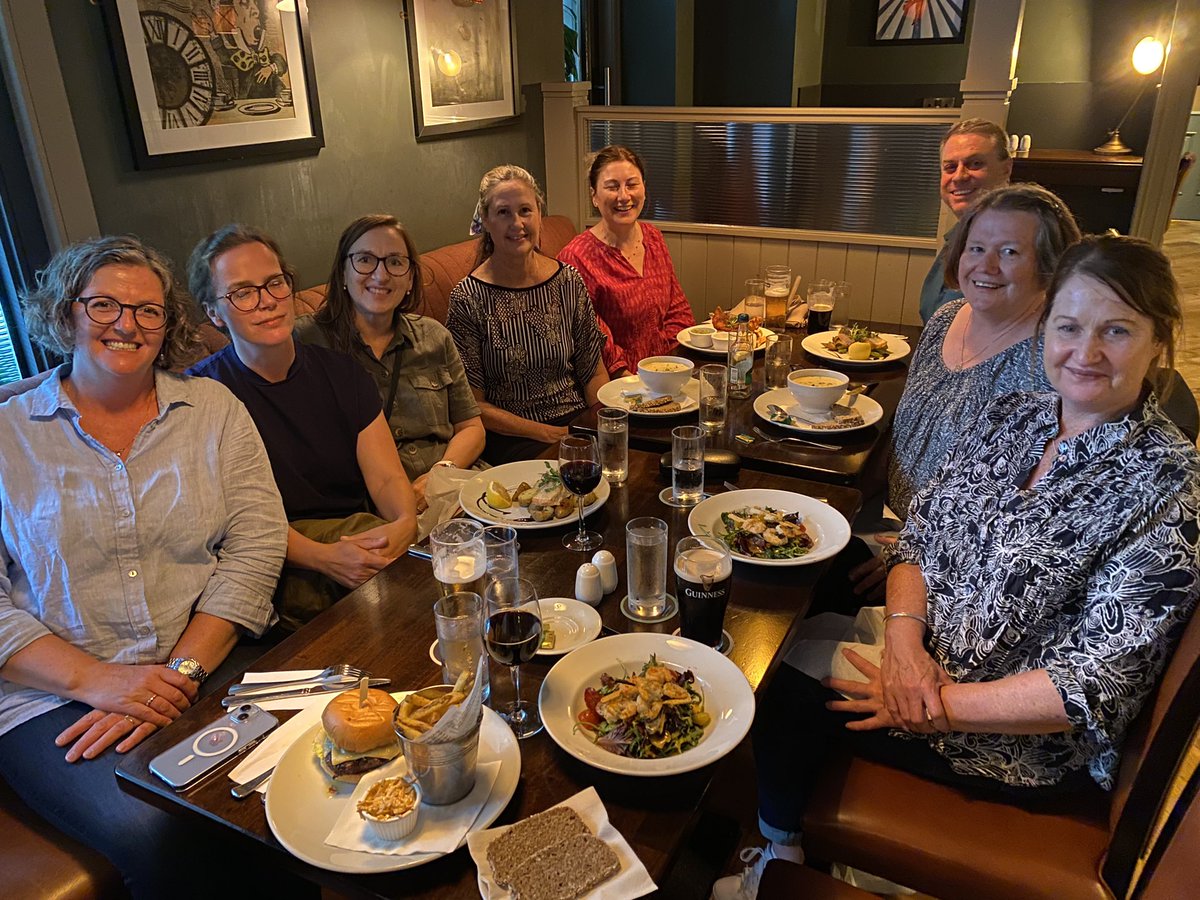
[[131, 720], [150, 702]]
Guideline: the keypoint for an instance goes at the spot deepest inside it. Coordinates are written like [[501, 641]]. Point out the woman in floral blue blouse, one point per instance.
[[1041, 581]]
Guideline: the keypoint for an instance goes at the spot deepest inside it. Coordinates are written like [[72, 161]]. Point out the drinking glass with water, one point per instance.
[[612, 428], [777, 363], [646, 571], [458, 620], [714, 394], [687, 467]]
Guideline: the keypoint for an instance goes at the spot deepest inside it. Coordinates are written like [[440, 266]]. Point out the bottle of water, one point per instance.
[[741, 358]]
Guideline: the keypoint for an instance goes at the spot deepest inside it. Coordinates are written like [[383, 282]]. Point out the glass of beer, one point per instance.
[[459, 557], [703, 578], [821, 299]]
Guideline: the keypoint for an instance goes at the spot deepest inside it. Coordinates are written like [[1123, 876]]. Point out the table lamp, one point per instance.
[[1147, 57]]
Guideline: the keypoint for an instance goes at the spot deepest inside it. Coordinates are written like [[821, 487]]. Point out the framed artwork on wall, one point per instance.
[[463, 59], [920, 21], [214, 79]]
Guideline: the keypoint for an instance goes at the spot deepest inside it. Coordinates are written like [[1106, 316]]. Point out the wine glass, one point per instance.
[[512, 635], [579, 467]]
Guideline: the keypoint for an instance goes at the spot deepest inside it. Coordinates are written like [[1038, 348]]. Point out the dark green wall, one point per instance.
[[744, 52], [371, 161], [648, 53], [855, 72]]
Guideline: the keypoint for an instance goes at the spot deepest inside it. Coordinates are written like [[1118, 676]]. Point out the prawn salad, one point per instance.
[[764, 532], [656, 714]]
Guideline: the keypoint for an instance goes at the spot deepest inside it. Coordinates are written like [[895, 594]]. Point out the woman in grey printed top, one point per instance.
[[524, 325], [1041, 583], [981, 347]]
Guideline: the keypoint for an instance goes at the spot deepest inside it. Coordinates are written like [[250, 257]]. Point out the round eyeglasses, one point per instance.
[[365, 263], [105, 311], [249, 297]]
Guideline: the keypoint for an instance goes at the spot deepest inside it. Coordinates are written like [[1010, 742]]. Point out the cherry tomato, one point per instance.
[[589, 718], [591, 697]]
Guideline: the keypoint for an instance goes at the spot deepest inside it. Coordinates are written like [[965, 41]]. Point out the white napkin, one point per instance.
[[267, 754], [817, 651], [440, 829], [632, 881]]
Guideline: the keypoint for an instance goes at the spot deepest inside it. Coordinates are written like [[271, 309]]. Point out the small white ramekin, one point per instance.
[[396, 828]]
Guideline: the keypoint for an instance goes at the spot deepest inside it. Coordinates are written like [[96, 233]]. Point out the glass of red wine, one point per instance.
[[579, 467], [512, 634]]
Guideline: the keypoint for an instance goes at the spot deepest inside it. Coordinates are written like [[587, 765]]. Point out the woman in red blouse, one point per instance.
[[626, 266]]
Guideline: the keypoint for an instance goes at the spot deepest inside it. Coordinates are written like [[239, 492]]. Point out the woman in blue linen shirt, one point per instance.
[[1044, 576], [140, 534]]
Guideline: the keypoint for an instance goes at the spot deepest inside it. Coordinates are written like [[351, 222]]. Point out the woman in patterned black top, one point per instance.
[[1043, 577], [524, 326]]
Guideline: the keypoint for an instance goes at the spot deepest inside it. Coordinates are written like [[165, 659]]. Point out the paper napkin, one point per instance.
[[440, 829], [267, 754], [632, 881]]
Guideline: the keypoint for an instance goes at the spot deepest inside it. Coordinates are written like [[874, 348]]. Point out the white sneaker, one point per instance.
[[744, 886]]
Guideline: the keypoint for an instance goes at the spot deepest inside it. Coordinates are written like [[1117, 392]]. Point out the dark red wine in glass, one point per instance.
[[512, 636]]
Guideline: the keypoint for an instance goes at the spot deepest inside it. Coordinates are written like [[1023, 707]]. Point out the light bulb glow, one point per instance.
[[449, 63], [1148, 55], [286, 5]]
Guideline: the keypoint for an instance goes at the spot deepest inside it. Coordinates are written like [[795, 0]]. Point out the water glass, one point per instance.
[[687, 467], [755, 302], [612, 428], [777, 361], [500, 546], [459, 559], [646, 571], [458, 618], [821, 301], [714, 396]]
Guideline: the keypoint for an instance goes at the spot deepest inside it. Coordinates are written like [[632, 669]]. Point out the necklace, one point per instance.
[[146, 408], [628, 252], [963, 360]]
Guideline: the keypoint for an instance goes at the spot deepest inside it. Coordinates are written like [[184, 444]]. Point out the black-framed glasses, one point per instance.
[[365, 263], [249, 297], [106, 310]]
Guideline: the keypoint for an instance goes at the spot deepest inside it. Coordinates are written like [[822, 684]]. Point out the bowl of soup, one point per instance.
[[665, 374], [816, 390]]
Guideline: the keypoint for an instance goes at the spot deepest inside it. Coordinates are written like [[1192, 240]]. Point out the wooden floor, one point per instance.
[[1182, 244]]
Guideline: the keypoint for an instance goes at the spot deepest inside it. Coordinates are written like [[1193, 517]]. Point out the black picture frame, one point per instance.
[[214, 86], [935, 22], [480, 52]]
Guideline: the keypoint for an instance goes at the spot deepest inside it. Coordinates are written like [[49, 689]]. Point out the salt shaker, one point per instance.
[[587, 585], [607, 564]]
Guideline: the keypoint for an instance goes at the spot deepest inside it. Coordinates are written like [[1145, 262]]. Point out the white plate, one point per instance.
[[470, 498], [303, 805], [870, 411], [685, 340], [815, 344], [829, 528], [727, 697], [610, 395], [574, 624]]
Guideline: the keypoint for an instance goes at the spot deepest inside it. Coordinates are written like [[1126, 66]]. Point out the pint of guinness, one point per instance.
[[703, 578]]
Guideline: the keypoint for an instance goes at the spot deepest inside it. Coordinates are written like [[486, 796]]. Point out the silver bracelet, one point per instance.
[[906, 615]]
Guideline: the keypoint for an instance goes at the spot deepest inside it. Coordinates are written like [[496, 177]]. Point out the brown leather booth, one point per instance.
[[948, 843]]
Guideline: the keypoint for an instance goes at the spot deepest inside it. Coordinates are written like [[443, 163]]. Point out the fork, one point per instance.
[[340, 672], [775, 440]]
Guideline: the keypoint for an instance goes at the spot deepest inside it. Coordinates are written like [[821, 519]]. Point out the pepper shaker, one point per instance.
[[607, 564], [587, 585]]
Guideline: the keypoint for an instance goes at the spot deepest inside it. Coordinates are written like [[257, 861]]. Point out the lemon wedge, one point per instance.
[[497, 496]]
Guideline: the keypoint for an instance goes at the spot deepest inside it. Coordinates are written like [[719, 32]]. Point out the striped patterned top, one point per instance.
[[528, 350]]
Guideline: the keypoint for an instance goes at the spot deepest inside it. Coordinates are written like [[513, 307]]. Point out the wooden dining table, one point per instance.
[[386, 626], [855, 455]]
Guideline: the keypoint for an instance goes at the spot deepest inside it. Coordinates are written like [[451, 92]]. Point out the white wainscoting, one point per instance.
[[885, 282]]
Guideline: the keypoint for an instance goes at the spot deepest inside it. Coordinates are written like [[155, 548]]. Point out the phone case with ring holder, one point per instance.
[[199, 754]]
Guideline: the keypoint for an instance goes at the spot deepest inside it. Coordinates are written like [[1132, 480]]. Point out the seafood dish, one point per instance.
[[764, 532], [651, 715], [546, 500], [859, 343], [726, 321]]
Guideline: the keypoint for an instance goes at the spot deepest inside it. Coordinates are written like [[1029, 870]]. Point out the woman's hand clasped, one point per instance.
[[869, 699], [912, 683], [129, 703]]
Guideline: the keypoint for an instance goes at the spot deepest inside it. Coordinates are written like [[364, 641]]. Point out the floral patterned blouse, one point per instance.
[[1091, 575]]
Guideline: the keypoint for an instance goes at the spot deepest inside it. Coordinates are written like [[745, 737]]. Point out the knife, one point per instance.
[[236, 699]]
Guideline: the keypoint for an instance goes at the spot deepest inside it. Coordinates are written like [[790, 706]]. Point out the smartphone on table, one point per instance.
[[196, 756]]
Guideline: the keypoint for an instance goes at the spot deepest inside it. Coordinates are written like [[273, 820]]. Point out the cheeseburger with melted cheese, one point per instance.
[[357, 739]]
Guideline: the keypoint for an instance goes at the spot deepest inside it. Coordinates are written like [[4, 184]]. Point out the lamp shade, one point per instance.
[[1147, 55]]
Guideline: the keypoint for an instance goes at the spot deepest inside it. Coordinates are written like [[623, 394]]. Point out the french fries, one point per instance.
[[417, 715]]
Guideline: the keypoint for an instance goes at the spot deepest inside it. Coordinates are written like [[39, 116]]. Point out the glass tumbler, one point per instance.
[[612, 428], [714, 396], [646, 571]]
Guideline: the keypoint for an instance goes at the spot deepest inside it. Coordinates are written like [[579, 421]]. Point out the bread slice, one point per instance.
[[523, 840], [565, 870]]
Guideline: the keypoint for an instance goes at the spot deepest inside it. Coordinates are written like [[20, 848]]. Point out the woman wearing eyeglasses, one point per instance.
[[140, 535], [374, 286], [349, 503]]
